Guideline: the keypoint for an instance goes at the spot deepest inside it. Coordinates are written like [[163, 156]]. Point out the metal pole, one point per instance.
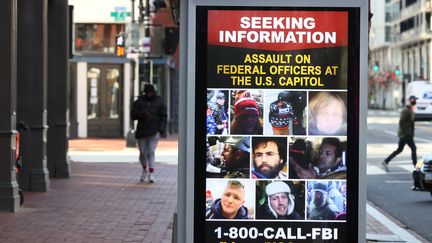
[[130, 136], [147, 63], [133, 11]]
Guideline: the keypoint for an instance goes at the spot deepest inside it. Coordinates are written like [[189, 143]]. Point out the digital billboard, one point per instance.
[[276, 139]]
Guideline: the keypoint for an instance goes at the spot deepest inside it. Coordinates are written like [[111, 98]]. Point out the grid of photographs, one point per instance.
[[276, 155]]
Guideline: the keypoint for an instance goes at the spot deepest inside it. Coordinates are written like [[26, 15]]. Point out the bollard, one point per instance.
[[174, 230]]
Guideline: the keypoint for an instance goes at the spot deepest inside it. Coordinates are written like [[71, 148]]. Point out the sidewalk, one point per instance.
[[105, 202]]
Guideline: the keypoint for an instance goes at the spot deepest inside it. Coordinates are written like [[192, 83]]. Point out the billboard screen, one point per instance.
[[276, 144]]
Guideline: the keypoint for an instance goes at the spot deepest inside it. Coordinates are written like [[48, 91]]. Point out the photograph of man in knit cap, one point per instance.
[[246, 107], [284, 112]]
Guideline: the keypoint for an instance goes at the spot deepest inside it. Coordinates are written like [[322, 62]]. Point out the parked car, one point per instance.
[[423, 175]]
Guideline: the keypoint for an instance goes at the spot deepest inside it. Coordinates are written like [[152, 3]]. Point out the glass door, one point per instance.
[[104, 100]]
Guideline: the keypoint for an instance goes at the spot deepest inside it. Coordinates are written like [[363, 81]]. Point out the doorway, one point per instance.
[[104, 100]]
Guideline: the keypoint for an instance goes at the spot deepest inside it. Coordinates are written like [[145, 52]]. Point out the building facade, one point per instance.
[[104, 85], [400, 43]]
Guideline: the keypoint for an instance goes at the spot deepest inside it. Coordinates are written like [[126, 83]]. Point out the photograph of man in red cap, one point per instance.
[[247, 113]]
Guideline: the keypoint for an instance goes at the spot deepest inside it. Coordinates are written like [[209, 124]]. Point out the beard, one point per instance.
[[319, 203], [267, 171]]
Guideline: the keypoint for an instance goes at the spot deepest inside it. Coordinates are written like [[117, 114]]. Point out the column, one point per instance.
[[58, 88], [32, 92], [9, 198]]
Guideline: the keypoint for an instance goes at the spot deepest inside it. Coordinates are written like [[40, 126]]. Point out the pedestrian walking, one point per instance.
[[405, 134], [150, 111]]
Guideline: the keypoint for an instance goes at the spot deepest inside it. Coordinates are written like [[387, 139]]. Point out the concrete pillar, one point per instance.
[[82, 99], [32, 92], [58, 88], [127, 81], [9, 198]]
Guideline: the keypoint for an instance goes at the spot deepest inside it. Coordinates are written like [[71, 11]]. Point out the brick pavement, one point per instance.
[[101, 202], [105, 202]]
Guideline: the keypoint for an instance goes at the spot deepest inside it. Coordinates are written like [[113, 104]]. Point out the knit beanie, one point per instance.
[[244, 104]]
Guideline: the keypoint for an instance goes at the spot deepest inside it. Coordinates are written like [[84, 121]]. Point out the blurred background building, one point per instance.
[[105, 80], [400, 44]]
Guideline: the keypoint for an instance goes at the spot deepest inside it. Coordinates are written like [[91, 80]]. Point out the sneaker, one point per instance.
[[151, 177], [384, 166], [144, 175]]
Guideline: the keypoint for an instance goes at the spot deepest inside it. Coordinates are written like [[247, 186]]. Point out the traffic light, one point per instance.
[[376, 66], [120, 45], [171, 40], [397, 71]]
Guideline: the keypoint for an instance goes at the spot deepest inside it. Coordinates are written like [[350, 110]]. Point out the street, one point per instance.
[[392, 191]]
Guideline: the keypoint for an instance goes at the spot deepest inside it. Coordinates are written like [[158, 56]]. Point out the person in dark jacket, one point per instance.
[[281, 113], [230, 205], [280, 203], [219, 113], [405, 134], [151, 113]]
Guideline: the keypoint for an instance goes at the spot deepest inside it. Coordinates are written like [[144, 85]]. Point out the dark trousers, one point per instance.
[[401, 145]]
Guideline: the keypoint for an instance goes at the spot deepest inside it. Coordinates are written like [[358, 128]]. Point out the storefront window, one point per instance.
[[96, 38]]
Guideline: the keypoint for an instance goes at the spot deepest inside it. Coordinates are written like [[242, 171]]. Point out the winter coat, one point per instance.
[[215, 211], [406, 123], [151, 114], [220, 117]]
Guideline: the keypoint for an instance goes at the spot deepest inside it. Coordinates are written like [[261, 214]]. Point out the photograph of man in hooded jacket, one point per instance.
[[150, 111], [279, 204]]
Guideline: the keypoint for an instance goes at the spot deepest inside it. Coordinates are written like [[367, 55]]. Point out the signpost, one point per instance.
[[273, 136], [120, 14]]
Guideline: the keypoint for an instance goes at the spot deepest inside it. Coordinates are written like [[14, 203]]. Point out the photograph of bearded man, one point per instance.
[[269, 158]]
